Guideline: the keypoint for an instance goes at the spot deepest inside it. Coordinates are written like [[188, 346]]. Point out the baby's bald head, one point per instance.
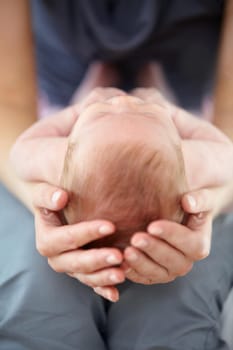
[[114, 172]]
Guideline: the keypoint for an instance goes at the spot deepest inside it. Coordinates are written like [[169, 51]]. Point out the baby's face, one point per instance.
[[112, 115]]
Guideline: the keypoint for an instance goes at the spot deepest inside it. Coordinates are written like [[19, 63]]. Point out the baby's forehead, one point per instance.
[[135, 114], [101, 125]]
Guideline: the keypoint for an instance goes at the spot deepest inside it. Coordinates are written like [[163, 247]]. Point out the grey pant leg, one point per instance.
[[41, 309], [181, 315], [227, 320]]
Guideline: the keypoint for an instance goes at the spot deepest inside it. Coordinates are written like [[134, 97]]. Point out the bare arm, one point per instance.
[[223, 101], [17, 86]]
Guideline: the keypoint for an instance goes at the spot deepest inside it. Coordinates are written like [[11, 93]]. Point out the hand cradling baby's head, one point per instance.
[[124, 164]]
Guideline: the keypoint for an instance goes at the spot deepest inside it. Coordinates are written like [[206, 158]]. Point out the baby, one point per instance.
[[124, 164]]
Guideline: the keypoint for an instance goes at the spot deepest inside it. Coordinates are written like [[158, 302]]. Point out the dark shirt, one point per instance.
[[181, 35]]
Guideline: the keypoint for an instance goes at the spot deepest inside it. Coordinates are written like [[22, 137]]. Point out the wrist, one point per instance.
[[20, 189], [223, 121], [224, 198]]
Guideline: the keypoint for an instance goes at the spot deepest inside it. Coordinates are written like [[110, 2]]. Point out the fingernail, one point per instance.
[[112, 259], [110, 297], [105, 229], [155, 230], [97, 290], [191, 201], [56, 196]]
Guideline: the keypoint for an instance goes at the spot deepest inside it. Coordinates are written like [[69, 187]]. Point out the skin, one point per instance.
[[175, 247], [123, 120], [18, 112]]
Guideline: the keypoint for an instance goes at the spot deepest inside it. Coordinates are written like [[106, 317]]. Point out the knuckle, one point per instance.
[[75, 265], [91, 232], [54, 266], [186, 268], [171, 278], [149, 281], [86, 280], [97, 93], [203, 254], [42, 248], [70, 238], [203, 194], [40, 191], [97, 90], [202, 251]]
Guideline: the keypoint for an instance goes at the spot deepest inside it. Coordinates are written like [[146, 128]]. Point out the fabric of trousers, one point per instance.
[[41, 309]]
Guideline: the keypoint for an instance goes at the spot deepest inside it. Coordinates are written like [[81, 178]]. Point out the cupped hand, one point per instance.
[[207, 152], [168, 249], [62, 244], [38, 154]]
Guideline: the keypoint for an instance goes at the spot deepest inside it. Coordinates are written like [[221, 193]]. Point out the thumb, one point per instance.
[[203, 200], [49, 197], [45, 218], [197, 221]]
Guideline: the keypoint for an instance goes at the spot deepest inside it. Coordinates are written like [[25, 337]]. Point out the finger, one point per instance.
[[151, 95], [59, 124], [110, 293], [53, 239], [101, 95], [144, 266], [135, 277], [207, 157], [106, 277], [201, 223], [159, 251], [191, 127], [49, 197], [47, 161], [199, 201], [86, 261], [192, 240]]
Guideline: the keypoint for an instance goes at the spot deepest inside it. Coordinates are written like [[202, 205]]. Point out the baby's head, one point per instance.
[[124, 164]]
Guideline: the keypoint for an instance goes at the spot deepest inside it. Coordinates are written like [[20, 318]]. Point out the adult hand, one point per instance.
[[38, 154], [169, 249], [62, 245], [207, 152]]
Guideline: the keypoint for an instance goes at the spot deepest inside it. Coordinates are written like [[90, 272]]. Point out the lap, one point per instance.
[[42, 309], [184, 314]]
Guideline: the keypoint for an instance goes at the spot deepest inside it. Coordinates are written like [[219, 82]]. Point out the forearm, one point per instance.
[[18, 93], [14, 119], [223, 96]]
